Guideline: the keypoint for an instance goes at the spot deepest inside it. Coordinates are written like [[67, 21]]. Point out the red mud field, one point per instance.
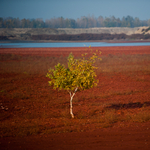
[[114, 115], [77, 51]]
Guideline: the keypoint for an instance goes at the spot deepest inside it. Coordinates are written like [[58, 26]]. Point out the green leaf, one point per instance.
[[80, 73]]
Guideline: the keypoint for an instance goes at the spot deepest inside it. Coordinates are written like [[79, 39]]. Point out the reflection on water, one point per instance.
[[73, 44]]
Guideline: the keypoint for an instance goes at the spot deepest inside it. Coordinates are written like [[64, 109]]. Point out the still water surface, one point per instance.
[[72, 44]]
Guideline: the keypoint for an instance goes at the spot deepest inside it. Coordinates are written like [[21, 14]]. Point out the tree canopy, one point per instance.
[[82, 22], [79, 75]]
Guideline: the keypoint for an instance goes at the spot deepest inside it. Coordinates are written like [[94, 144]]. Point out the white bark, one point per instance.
[[71, 98]]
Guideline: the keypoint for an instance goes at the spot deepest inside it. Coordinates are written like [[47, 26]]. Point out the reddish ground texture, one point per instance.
[[133, 138], [130, 135], [77, 51]]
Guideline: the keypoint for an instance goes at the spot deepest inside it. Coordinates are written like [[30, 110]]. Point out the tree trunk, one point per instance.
[[71, 98], [71, 112]]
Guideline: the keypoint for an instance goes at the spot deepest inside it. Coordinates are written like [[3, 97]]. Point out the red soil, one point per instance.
[[134, 136], [77, 51]]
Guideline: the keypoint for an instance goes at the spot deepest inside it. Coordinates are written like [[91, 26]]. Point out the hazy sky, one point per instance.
[[47, 9]]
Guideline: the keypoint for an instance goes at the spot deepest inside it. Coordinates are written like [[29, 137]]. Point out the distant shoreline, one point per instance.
[[54, 41]]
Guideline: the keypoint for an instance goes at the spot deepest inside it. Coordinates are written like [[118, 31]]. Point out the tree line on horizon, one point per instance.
[[83, 22]]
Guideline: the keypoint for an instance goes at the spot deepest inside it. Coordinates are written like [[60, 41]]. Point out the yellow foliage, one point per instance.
[[79, 74]]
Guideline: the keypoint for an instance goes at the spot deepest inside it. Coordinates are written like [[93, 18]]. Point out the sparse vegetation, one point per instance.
[[28, 106]]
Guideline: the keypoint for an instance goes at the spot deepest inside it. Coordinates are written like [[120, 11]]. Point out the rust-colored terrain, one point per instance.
[[113, 115]]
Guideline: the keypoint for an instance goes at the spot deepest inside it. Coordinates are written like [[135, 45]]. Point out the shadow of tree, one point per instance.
[[129, 105]]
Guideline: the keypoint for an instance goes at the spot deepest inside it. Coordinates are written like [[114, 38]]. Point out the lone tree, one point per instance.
[[79, 75]]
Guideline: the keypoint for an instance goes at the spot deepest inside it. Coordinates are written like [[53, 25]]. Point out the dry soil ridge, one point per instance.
[[24, 33]]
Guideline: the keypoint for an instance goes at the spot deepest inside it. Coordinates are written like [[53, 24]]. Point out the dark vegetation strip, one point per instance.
[[78, 37]]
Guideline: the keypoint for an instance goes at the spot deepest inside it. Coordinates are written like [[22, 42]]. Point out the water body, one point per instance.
[[72, 44]]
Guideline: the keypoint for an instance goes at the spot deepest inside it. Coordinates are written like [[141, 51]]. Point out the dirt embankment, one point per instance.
[[69, 34]]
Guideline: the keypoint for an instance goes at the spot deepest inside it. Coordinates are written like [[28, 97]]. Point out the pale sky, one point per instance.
[[47, 9]]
